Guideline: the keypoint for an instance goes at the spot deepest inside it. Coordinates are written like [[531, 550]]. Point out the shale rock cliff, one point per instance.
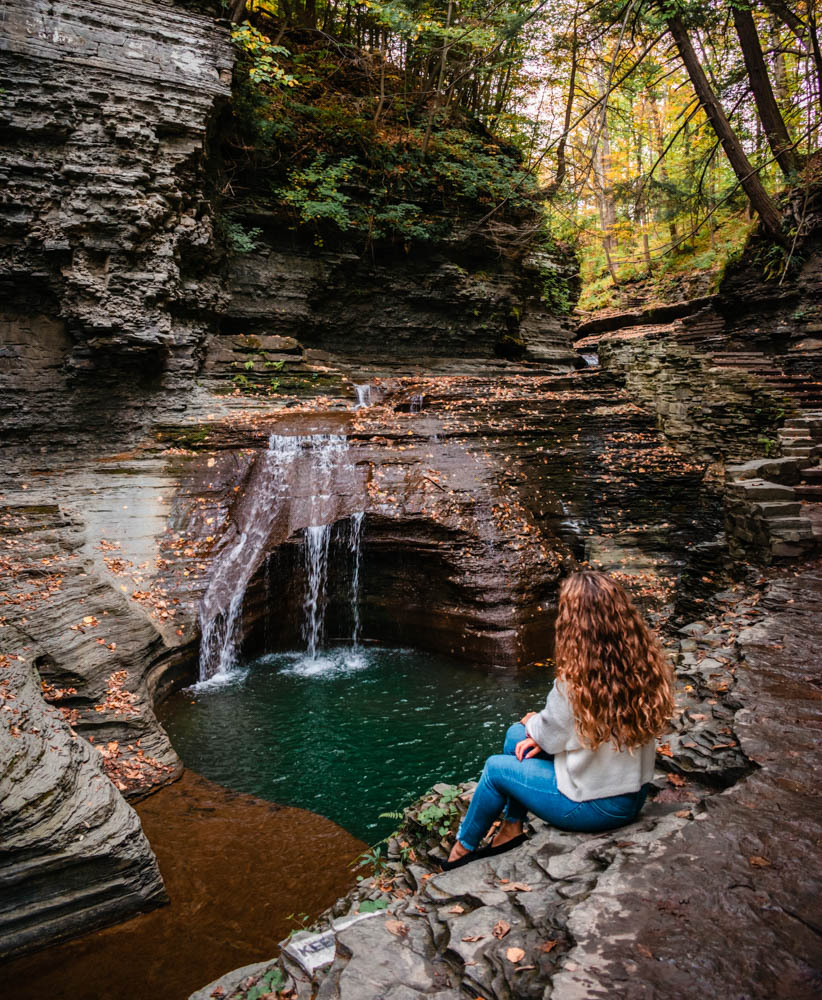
[[73, 853], [106, 274]]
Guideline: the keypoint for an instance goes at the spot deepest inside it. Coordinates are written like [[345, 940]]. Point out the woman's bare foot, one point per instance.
[[508, 829], [458, 851]]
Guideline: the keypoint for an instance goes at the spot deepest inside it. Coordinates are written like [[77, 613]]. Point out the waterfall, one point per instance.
[[355, 547], [315, 545], [270, 484], [363, 395], [415, 404]]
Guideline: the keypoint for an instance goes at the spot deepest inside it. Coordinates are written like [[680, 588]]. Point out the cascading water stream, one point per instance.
[[363, 395], [355, 545], [317, 546], [315, 542], [268, 489]]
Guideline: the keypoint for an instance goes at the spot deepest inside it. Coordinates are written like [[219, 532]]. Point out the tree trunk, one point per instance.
[[769, 113], [559, 176], [440, 79], [602, 169], [748, 178], [780, 72], [659, 140], [806, 34]]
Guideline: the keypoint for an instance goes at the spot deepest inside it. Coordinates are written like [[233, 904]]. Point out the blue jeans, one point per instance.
[[522, 786]]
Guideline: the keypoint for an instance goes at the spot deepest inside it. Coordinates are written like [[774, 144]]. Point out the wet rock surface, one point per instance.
[[695, 894]]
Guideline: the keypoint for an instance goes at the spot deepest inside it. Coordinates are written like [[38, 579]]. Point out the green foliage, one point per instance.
[[395, 814], [373, 905], [315, 192], [240, 240], [373, 859], [405, 174], [271, 981], [260, 56], [404, 187], [438, 816]]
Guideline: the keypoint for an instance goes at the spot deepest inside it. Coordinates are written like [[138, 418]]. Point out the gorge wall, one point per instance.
[[106, 275]]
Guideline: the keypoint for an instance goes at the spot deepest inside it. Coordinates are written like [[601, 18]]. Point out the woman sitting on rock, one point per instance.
[[584, 762]]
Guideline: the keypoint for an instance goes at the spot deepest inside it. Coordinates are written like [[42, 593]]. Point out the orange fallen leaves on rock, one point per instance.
[[756, 861], [397, 928], [677, 780], [501, 928], [665, 750], [514, 955], [547, 946], [473, 937]]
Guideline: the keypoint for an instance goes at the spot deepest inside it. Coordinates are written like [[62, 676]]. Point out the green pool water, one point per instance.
[[350, 734]]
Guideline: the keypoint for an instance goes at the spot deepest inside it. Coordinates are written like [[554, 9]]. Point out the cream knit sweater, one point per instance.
[[584, 774]]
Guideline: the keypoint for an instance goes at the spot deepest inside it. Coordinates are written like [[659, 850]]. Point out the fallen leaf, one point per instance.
[[516, 887], [514, 955], [665, 750], [396, 927], [677, 779], [755, 861], [683, 813], [473, 937], [457, 909], [501, 928], [644, 951]]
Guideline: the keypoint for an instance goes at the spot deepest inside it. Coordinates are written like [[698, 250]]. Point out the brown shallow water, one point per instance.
[[235, 868]]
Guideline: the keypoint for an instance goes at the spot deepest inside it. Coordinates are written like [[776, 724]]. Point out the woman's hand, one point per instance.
[[527, 748], [527, 716]]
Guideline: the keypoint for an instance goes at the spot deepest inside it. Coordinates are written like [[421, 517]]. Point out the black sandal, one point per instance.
[[483, 852]]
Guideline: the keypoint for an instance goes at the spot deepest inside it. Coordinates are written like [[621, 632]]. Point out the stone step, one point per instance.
[[757, 490], [794, 432], [779, 524], [808, 422], [811, 492], [813, 475], [771, 469], [780, 508], [797, 451]]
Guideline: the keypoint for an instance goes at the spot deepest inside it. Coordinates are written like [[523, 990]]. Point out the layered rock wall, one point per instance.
[[106, 273], [73, 854], [712, 412], [462, 300]]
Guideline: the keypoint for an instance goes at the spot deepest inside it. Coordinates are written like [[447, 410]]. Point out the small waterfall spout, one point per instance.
[[355, 545], [363, 395], [308, 465], [317, 543]]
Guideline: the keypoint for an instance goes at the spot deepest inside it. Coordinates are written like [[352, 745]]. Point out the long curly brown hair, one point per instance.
[[618, 680]]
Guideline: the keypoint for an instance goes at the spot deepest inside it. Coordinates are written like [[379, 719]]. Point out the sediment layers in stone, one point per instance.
[[107, 273], [73, 854]]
